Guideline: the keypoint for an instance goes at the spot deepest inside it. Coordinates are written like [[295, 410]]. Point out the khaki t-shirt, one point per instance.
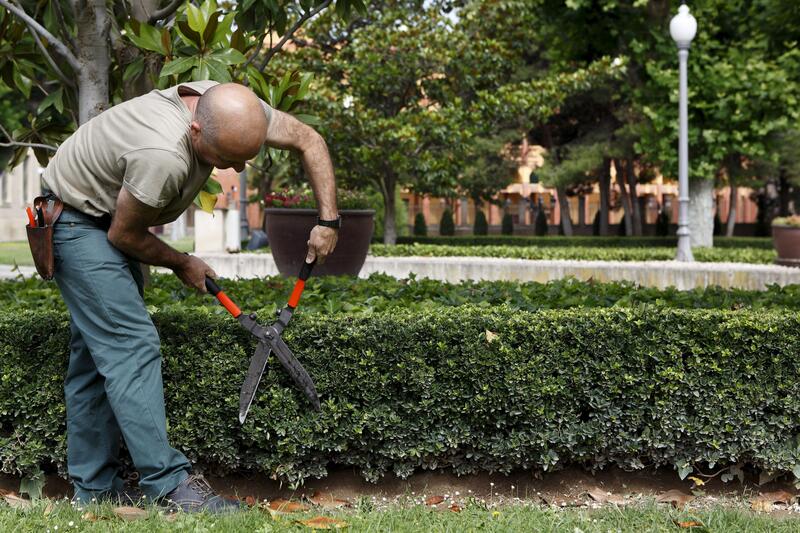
[[142, 144]]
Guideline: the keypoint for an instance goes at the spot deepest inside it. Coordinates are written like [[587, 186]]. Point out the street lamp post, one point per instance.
[[683, 28]]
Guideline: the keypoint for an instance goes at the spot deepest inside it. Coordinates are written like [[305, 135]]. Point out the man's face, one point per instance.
[[214, 156]]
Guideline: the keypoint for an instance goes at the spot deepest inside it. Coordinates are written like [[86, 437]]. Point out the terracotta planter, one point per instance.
[[288, 229], [786, 240]]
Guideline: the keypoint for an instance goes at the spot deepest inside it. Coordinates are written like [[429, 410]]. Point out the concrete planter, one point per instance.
[[288, 230], [786, 240]]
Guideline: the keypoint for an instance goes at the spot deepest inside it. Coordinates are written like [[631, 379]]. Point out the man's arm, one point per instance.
[[129, 233], [287, 133]]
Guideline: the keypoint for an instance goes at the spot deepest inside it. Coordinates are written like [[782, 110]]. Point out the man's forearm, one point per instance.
[[149, 249], [319, 168]]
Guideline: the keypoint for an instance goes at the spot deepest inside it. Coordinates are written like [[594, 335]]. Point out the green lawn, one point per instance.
[[648, 517], [18, 251]]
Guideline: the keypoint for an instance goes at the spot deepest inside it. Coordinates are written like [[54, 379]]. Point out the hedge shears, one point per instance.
[[269, 341]]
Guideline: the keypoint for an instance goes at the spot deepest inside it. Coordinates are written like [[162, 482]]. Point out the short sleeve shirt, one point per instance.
[[142, 144]]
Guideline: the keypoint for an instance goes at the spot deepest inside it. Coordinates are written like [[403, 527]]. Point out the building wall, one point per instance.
[[18, 188]]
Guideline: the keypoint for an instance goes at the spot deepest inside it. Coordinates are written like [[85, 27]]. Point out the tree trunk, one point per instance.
[[731, 211], [637, 208], [563, 205], [784, 194], [581, 210], [389, 226], [605, 194], [93, 23], [701, 212], [623, 191]]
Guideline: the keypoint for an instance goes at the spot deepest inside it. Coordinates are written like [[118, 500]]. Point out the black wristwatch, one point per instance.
[[335, 224]]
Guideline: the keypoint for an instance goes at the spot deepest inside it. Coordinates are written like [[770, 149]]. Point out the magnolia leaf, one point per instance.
[[697, 481], [250, 501], [15, 502], [217, 71], [434, 500], [285, 506], [211, 28], [778, 496], [323, 522], [455, 508], [311, 120], [490, 336], [237, 40], [602, 496], [229, 56], [327, 501], [190, 36], [133, 70], [195, 18], [89, 516], [762, 506], [201, 71], [206, 201], [675, 497], [22, 83], [688, 524], [130, 513], [212, 186], [222, 31], [178, 66]]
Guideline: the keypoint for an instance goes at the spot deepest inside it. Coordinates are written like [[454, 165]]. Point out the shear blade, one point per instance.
[[254, 372], [295, 370]]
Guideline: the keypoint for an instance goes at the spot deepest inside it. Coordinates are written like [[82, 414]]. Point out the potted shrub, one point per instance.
[[786, 239], [289, 216]]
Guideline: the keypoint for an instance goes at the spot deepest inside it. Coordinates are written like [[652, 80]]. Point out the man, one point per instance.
[[140, 164]]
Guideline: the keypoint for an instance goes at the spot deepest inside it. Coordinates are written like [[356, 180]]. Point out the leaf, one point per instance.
[[764, 477], [684, 471], [130, 513], [490, 337], [455, 508], [778, 496], [229, 56], [237, 40], [311, 120], [22, 83], [675, 497], [434, 500], [217, 71], [191, 37], [195, 18], [285, 506], [688, 524], [15, 502], [206, 201], [178, 66], [89, 516], [211, 28], [761, 506], [602, 496], [323, 522], [134, 69], [32, 486], [697, 481], [212, 186], [327, 501], [250, 501], [223, 29]]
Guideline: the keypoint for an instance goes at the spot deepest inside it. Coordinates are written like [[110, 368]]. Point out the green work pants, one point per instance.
[[113, 384]]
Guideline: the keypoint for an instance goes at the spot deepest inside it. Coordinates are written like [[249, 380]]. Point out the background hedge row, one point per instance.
[[580, 241], [380, 293], [466, 388], [585, 253]]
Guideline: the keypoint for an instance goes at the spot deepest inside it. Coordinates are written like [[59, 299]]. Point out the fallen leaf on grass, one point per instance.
[[675, 497], [327, 501], [688, 524], [285, 506], [455, 508], [601, 496], [250, 501], [323, 522], [697, 481], [762, 506], [434, 500], [130, 513], [15, 502], [89, 516], [49, 508]]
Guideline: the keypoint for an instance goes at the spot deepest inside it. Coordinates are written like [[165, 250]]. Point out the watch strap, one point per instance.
[[336, 223]]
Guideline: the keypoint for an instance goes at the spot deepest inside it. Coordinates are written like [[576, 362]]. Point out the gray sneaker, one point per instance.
[[195, 495]]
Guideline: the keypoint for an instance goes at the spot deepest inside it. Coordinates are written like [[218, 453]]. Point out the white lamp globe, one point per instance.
[[683, 27]]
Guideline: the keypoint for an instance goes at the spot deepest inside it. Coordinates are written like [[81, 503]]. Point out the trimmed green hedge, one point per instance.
[[600, 242], [587, 253], [408, 390], [380, 293]]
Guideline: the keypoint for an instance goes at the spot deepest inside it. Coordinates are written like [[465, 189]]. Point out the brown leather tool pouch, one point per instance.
[[40, 238]]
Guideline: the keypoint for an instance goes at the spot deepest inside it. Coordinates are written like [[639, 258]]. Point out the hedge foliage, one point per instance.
[[379, 293], [467, 388], [597, 242], [587, 253]]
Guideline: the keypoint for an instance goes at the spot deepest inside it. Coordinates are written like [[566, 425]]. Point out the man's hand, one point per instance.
[[321, 243], [193, 273]]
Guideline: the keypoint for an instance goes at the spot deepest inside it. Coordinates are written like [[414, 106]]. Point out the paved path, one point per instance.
[[7, 273]]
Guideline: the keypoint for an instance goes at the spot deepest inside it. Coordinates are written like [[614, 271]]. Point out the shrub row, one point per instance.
[[379, 293], [589, 253], [468, 388], [598, 242]]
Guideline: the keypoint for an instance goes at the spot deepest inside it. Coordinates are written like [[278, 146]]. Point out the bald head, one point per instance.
[[231, 119]]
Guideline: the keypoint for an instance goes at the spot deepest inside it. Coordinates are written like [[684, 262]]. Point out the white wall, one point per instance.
[[18, 188]]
